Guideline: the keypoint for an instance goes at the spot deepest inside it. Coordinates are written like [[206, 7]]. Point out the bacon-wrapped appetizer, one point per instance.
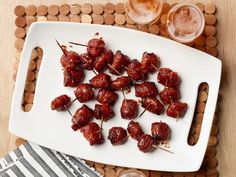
[[135, 71], [87, 62], [129, 109], [135, 130], [95, 47], [73, 78], [145, 89], [168, 78], [177, 109], [122, 82], [101, 80], [153, 105], [106, 96], [117, 135], [169, 95], [61, 103], [145, 143], [103, 112], [84, 92], [150, 62], [160, 131], [103, 60]]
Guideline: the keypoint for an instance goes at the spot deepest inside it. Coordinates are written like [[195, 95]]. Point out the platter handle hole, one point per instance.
[[195, 129], [31, 81]]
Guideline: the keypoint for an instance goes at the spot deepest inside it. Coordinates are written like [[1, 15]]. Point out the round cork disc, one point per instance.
[[53, 10], [165, 8], [63, 18], [109, 19], [210, 8], [86, 9], [19, 43], [98, 19], [210, 30], [120, 19], [154, 29], [19, 10], [211, 41], [75, 9], [86, 19], [20, 33], [52, 18], [75, 18], [210, 19], [201, 6], [31, 10], [109, 8], [97, 9], [42, 19], [42, 10], [120, 8], [30, 20], [20, 21], [64, 9]]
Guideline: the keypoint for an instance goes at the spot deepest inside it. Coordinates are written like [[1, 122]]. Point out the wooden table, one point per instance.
[[226, 34]]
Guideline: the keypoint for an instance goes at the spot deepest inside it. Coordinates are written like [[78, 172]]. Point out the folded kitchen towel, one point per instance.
[[33, 160]]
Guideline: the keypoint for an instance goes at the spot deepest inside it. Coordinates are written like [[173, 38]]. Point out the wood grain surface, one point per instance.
[[226, 35]]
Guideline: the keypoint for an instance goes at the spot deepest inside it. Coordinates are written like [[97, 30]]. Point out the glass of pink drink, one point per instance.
[[144, 11], [185, 22]]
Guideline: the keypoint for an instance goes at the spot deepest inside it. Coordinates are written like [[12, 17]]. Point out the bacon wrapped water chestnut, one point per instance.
[[135, 130], [70, 60], [129, 109], [84, 92], [145, 143], [103, 112], [122, 82], [61, 103], [87, 62], [168, 78], [119, 62], [153, 105], [73, 78], [93, 133], [103, 60], [82, 116], [145, 89], [177, 109], [160, 131], [106, 96], [135, 71], [101, 80], [150, 62], [117, 135], [169, 95], [95, 47]]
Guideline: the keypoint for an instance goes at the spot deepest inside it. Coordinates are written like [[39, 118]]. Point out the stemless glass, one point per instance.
[[185, 22], [131, 173], [144, 11]]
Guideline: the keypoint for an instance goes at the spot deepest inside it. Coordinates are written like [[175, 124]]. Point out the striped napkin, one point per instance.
[[33, 160]]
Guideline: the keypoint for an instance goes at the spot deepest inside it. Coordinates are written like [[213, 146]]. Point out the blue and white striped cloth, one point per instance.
[[33, 160]]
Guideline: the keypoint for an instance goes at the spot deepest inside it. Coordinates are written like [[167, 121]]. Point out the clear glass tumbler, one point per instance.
[[185, 22], [144, 11]]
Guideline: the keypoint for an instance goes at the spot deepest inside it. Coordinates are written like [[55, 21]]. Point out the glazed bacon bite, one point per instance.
[[122, 82], [95, 47], [106, 96], [117, 135], [153, 105], [129, 109], [84, 92], [145, 143], [61, 103], [168, 78], [70, 60], [93, 134], [169, 95], [145, 89], [82, 116], [73, 78], [160, 131], [150, 62], [119, 62], [87, 62], [103, 112], [135, 130], [101, 80], [135, 71], [177, 109], [103, 60]]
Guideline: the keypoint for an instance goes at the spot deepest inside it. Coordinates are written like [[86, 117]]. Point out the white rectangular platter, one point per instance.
[[52, 129]]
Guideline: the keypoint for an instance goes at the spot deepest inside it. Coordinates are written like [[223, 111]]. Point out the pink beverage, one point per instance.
[[185, 22], [144, 11]]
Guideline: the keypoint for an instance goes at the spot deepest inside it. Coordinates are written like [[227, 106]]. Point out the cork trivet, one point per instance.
[[210, 8], [75, 9], [53, 10], [98, 9], [211, 41], [210, 30], [98, 19], [31, 10], [20, 33], [100, 170], [64, 9], [75, 18], [86, 9], [108, 14], [19, 10], [210, 19], [86, 19], [119, 8], [20, 21], [109, 19], [42, 10], [109, 8], [30, 20], [120, 19]]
